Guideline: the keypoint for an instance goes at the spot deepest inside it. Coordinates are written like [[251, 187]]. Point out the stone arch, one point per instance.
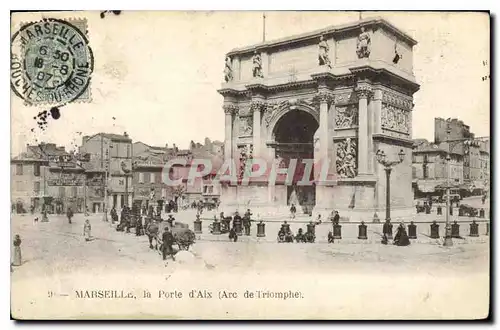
[[284, 109]]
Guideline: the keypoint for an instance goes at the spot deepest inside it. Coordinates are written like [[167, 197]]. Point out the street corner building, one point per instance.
[[341, 93]]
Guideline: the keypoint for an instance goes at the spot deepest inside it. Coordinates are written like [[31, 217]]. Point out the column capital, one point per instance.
[[230, 109], [257, 105], [325, 96], [364, 91]]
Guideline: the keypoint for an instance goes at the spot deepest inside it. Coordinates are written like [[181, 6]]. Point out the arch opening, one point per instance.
[[294, 138]]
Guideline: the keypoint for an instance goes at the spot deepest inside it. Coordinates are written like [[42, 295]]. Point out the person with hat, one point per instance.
[[167, 242]]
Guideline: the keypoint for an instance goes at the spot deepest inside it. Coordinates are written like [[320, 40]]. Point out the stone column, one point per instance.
[[364, 92], [256, 108], [324, 97], [229, 110]]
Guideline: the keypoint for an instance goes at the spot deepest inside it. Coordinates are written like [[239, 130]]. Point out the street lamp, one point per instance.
[[388, 165], [447, 236]]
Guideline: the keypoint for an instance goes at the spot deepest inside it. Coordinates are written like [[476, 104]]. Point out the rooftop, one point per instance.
[[327, 30]]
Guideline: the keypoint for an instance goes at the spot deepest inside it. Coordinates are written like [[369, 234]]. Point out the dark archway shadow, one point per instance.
[[294, 137]]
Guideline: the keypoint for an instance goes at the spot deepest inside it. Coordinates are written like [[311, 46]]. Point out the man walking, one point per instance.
[[168, 240], [69, 214]]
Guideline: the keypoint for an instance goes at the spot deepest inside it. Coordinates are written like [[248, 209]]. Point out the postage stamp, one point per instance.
[[52, 62]]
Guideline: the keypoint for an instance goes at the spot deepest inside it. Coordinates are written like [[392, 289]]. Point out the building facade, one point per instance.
[[149, 187], [112, 154], [430, 167], [339, 94], [27, 184], [469, 159]]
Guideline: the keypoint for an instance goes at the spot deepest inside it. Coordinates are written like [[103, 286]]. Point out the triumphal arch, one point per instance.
[[334, 97]]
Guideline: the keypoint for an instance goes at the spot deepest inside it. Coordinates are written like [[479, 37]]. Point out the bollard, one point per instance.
[[487, 228], [481, 213], [474, 229], [261, 229], [216, 228], [455, 230], [434, 230], [362, 231], [427, 210], [197, 225], [311, 228], [387, 229], [238, 227], [412, 230], [439, 210], [337, 231]]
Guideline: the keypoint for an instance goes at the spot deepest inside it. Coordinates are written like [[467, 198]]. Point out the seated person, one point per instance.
[[299, 238]]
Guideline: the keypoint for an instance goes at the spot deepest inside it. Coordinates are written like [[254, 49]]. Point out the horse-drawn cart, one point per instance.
[[183, 236]]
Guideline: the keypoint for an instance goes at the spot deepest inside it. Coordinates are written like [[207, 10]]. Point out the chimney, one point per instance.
[[166, 145], [125, 134], [85, 139]]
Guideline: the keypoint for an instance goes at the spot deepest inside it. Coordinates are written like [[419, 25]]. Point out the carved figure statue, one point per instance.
[[363, 44], [245, 155], [228, 70], [346, 158], [324, 49], [257, 65]]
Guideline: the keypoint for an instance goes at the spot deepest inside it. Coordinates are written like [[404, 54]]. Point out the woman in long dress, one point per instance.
[[17, 251], [86, 230]]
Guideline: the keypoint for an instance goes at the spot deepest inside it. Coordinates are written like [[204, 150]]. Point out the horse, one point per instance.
[[183, 236], [153, 230]]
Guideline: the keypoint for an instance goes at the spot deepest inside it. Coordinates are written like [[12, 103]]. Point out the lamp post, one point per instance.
[[388, 165], [447, 236]]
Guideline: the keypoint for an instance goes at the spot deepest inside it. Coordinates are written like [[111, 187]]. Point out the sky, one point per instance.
[[157, 73]]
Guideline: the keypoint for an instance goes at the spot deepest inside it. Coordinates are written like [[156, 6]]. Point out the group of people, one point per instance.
[[285, 234], [400, 239]]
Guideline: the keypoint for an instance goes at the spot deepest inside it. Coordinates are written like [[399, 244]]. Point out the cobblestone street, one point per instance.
[[56, 256]]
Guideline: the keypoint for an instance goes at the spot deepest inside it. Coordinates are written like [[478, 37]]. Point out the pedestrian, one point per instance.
[[401, 238], [86, 230], [69, 214], [336, 218], [167, 241], [45, 218], [18, 260]]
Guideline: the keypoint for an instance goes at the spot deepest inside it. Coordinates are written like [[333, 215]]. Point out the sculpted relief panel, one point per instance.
[[395, 119], [346, 163], [346, 116], [245, 154], [246, 126]]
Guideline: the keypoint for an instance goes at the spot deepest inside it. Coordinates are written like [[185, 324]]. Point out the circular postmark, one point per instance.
[[51, 62]]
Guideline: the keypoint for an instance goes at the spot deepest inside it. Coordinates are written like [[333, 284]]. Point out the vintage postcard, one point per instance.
[[250, 165]]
